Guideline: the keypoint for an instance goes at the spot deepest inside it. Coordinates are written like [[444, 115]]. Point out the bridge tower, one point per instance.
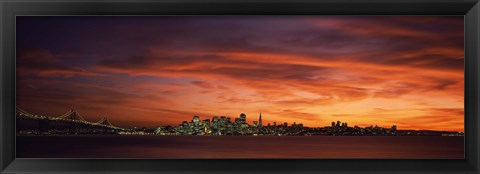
[[105, 121], [72, 115]]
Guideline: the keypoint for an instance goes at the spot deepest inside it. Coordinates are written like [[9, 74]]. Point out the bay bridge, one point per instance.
[[71, 122]]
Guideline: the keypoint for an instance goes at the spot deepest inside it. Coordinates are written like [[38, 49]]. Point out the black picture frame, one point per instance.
[[11, 8]]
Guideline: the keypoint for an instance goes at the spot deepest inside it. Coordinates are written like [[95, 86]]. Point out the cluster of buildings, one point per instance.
[[217, 126], [225, 126]]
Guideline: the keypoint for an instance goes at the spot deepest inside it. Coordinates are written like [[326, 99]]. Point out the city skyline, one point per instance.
[[73, 123], [389, 70], [74, 116]]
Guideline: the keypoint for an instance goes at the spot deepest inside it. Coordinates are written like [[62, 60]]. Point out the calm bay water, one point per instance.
[[122, 146]]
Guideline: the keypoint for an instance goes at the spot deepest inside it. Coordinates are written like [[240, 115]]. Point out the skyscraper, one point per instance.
[[196, 119], [260, 120], [243, 118]]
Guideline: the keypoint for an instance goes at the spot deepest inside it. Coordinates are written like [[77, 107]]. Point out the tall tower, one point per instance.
[[260, 120], [243, 118]]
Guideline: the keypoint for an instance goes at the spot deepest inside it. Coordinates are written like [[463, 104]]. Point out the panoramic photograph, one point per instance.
[[200, 87]]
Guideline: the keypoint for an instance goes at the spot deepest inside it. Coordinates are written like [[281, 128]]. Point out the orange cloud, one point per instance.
[[404, 71]]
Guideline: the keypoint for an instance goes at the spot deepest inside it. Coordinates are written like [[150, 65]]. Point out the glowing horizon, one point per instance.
[[161, 70]]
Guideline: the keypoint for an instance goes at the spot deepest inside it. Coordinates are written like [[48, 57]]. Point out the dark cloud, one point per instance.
[[164, 68], [44, 63]]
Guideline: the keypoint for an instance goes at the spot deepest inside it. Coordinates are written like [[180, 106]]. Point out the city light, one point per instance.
[[73, 123]]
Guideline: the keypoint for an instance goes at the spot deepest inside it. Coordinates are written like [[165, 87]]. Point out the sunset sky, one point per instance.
[[161, 70]]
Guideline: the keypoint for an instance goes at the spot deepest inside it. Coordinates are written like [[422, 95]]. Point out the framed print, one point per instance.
[[310, 86], [188, 86]]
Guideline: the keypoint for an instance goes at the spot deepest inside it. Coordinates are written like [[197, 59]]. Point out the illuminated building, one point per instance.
[[243, 118], [260, 120], [238, 120], [206, 122], [196, 119], [218, 126]]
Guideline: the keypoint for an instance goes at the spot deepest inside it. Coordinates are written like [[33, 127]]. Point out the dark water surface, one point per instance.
[[123, 146]]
